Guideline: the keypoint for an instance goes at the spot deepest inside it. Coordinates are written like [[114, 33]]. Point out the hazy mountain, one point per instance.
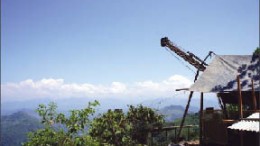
[[172, 112], [10, 107], [64, 105], [14, 128], [159, 103]]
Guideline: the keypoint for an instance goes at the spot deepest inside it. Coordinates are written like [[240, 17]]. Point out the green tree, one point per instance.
[[111, 128], [142, 120], [72, 135], [257, 51], [117, 128]]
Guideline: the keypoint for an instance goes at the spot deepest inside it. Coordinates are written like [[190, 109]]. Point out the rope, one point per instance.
[[179, 60]]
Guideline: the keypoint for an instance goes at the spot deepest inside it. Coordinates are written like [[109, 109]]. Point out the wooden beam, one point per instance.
[[229, 121], [251, 119], [172, 127], [253, 95], [184, 115], [186, 89], [201, 119], [240, 108], [241, 138]]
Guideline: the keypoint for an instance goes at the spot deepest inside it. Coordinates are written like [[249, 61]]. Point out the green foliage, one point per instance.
[[143, 120], [111, 128], [116, 128], [232, 107], [233, 110], [48, 114], [257, 51], [191, 119], [74, 124], [187, 134]]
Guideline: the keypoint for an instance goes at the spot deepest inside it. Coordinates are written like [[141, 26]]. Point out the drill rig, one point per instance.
[[187, 56], [192, 59]]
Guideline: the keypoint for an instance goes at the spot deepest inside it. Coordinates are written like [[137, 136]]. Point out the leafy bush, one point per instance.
[[111, 128], [143, 120], [73, 124]]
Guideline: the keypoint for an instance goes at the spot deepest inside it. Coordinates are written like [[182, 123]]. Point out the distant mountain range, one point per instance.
[[65, 105], [14, 127], [172, 112], [160, 103]]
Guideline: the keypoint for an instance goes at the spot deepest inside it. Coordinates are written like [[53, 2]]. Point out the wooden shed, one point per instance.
[[236, 81]]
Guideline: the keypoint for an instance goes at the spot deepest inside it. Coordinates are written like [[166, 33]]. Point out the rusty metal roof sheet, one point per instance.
[[247, 125], [220, 75]]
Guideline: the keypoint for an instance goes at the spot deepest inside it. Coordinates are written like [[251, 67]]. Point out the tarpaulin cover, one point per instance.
[[221, 74]]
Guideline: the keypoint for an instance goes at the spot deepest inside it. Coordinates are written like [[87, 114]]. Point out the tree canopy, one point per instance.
[[61, 130], [257, 51], [113, 127]]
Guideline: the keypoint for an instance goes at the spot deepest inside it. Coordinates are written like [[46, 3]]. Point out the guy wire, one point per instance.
[[180, 60]]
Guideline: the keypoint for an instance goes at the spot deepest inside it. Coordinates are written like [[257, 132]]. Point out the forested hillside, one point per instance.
[[172, 112], [16, 126]]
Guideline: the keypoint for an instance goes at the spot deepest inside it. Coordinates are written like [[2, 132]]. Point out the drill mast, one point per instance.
[[187, 56]]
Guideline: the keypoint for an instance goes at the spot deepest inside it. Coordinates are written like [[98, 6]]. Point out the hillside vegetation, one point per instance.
[[113, 127], [16, 126]]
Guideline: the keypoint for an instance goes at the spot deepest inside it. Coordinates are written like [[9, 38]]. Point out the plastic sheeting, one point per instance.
[[221, 74]]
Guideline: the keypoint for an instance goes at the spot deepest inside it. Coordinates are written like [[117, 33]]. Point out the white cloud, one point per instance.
[[58, 88], [118, 87]]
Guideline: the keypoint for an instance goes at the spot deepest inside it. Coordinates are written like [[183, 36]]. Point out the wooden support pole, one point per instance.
[[225, 110], [184, 116], [240, 108], [253, 95], [150, 138], [241, 138], [166, 134], [201, 119], [175, 134], [188, 133]]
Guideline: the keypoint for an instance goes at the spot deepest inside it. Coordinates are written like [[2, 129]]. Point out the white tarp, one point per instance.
[[220, 75]]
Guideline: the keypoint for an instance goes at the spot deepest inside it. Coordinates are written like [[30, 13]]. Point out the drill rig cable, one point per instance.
[[179, 60]]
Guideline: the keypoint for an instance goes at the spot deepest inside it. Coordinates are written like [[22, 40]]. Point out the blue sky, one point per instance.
[[112, 43]]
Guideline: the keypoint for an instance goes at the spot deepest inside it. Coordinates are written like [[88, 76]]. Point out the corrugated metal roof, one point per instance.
[[245, 125], [254, 116], [220, 75]]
